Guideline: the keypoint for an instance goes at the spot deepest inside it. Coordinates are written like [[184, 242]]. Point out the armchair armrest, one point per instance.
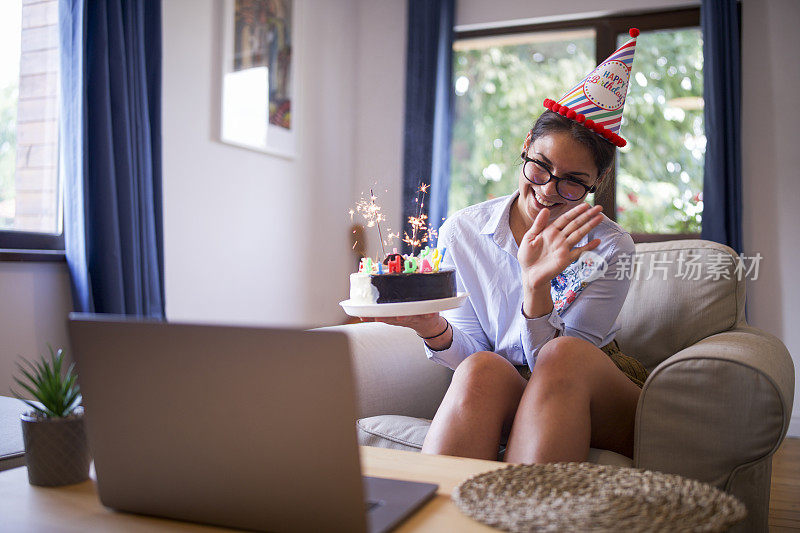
[[716, 407], [392, 373]]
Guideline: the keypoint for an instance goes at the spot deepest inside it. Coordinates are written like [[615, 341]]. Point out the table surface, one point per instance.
[[77, 508]]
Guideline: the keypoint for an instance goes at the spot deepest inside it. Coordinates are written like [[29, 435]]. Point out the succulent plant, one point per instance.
[[59, 395]]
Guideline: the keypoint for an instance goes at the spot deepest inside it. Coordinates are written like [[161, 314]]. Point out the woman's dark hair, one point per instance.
[[602, 150]]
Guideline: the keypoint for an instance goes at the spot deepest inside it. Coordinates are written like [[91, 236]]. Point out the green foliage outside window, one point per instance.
[[499, 93], [660, 171]]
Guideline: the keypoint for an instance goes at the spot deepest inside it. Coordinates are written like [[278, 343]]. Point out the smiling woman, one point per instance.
[[501, 74], [533, 350], [497, 81]]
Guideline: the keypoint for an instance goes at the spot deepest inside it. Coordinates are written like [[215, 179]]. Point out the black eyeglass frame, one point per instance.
[[587, 189]]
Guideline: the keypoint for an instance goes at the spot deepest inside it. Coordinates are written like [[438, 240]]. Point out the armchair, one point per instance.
[[715, 407]]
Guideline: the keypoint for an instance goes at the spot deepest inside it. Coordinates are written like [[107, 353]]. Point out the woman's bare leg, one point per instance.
[[479, 404], [576, 398]]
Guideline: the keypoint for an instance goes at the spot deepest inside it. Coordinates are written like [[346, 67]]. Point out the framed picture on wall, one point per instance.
[[258, 67]]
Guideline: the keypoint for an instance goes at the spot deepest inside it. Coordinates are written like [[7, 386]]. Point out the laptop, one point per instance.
[[242, 427]]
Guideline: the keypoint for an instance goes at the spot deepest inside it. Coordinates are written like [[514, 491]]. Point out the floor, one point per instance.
[[784, 501]]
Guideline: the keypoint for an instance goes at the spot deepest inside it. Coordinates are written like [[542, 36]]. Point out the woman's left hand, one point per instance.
[[547, 249]]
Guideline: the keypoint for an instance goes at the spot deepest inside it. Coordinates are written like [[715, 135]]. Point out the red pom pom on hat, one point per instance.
[[589, 123], [562, 110], [547, 103], [571, 114], [634, 32], [580, 117]]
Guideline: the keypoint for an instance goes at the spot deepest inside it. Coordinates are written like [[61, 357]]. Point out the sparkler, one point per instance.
[[377, 220], [418, 223], [371, 213]]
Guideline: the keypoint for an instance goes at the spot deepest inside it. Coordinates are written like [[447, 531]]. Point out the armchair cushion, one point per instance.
[[392, 372], [681, 292], [408, 433], [393, 431]]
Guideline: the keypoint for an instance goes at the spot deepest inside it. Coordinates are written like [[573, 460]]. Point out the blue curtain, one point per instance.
[[722, 184], [428, 108], [111, 154]]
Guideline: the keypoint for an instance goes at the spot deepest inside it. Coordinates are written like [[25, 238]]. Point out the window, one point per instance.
[[502, 76], [659, 190], [496, 81], [30, 189]]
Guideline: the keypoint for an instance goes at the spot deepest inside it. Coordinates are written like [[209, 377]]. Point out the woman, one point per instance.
[[547, 379]]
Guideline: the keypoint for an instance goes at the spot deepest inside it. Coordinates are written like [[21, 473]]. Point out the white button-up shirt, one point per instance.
[[483, 251]]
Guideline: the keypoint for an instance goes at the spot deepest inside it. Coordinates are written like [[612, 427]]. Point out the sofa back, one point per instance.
[[681, 292]]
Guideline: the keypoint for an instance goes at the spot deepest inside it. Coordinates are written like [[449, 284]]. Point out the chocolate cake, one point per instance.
[[402, 287]]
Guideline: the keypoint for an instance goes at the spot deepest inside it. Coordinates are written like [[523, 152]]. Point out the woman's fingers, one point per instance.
[[408, 320], [582, 219], [580, 232], [539, 223], [588, 247], [561, 222]]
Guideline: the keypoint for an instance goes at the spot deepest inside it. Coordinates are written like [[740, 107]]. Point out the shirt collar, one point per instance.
[[499, 226], [501, 213]]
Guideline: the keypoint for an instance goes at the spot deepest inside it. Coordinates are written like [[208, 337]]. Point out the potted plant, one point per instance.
[[56, 450]]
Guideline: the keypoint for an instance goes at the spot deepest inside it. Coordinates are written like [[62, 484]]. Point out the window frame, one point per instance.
[[606, 29], [31, 246], [34, 246]]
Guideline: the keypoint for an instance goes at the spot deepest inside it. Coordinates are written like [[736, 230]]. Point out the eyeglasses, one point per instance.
[[567, 188]]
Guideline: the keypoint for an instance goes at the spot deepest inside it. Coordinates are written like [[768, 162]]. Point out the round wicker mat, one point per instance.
[[592, 497]]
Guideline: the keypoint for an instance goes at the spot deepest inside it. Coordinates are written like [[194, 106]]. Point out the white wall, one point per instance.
[[250, 237], [381, 58], [770, 170], [34, 302]]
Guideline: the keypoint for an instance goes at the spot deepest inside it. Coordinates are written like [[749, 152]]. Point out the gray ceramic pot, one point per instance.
[[56, 450]]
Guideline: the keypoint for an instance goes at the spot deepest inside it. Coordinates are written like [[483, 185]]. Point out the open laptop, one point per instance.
[[235, 426]]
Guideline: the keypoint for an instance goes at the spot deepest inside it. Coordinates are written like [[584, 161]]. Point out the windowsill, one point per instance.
[[32, 256]]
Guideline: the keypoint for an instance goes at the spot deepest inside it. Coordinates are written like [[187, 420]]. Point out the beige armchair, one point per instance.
[[715, 408]]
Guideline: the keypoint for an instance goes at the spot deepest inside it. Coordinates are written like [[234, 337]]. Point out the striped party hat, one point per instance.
[[598, 100]]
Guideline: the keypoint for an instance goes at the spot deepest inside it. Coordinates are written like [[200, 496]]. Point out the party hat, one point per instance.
[[598, 100]]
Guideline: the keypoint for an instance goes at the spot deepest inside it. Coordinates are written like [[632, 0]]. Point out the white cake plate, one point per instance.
[[420, 307]]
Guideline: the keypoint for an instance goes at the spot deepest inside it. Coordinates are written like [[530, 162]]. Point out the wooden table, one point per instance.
[[77, 508]]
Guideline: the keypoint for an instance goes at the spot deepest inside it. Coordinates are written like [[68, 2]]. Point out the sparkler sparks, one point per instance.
[[370, 212], [419, 233]]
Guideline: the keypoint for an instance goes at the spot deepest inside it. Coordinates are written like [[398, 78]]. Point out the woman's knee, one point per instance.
[[486, 382], [483, 370], [564, 359]]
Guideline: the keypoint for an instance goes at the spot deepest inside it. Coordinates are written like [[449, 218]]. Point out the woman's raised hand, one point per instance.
[[547, 249]]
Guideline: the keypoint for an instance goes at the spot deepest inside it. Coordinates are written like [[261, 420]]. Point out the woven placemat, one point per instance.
[[592, 497]]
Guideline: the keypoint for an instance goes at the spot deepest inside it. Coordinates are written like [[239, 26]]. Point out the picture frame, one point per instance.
[[258, 91]]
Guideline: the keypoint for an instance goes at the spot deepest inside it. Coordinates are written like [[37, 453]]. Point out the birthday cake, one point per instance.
[[402, 279]]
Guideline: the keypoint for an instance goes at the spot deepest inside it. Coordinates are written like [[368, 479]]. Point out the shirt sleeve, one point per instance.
[[468, 334], [593, 313], [537, 331]]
